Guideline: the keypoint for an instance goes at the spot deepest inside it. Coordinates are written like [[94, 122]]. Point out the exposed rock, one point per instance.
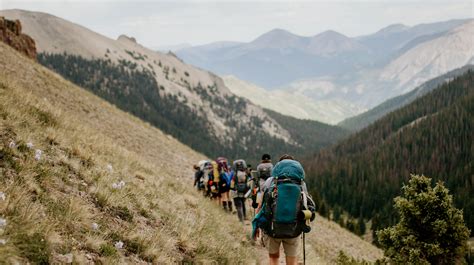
[[10, 33], [126, 38]]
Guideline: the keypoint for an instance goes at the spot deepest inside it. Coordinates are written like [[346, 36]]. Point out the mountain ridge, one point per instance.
[[364, 70]]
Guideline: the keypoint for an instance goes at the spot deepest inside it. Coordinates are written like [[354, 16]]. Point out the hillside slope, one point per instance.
[[362, 120], [430, 136], [291, 104], [51, 204], [191, 104]]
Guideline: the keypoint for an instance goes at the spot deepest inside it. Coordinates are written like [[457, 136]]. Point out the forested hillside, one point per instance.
[[432, 136], [311, 135], [362, 120], [135, 90]]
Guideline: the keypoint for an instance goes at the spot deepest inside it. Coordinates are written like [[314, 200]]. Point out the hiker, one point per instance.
[[213, 183], [264, 171], [286, 210], [198, 174], [225, 176], [205, 167], [240, 187]]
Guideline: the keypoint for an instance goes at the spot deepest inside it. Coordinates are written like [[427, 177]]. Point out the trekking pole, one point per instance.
[[304, 251]]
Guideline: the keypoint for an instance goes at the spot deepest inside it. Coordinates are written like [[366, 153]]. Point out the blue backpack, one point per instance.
[[284, 200]]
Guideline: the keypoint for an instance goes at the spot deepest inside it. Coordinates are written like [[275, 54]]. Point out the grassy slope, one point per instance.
[[51, 203]]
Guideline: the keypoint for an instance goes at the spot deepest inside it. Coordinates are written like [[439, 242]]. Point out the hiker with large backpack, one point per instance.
[[213, 182], [286, 210], [240, 187], [264, 171], [205, 167], [225, 176]]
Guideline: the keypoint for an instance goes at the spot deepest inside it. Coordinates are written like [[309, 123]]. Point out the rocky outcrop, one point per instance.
[[10, 33]]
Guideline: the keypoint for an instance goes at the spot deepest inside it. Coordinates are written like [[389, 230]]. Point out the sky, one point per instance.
[[164, 23]]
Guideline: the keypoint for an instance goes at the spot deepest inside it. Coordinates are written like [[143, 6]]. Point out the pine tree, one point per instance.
[[430, 231], [361, 225]]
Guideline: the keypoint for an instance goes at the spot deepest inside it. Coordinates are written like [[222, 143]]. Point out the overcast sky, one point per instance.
[[162, 23]]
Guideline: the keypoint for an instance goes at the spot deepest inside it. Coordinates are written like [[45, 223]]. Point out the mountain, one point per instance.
[[362, 120], [64, 154], [292, 104], [363, 71], [397, 36], [408, 68], [431, 136], [278, 57], [191, 104]]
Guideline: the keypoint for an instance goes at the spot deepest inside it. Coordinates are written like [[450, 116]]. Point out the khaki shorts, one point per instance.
[[290, 245]]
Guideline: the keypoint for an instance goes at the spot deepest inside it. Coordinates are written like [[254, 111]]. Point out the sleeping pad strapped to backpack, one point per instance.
[[284, 201]]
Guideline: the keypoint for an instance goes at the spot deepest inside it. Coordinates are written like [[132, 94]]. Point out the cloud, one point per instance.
[[156, 23]]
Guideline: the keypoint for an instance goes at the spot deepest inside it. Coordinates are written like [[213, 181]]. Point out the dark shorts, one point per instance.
[[224, 188]]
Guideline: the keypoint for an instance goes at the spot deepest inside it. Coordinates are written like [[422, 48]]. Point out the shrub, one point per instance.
[[34, 247], [107, 250], [430, 231]]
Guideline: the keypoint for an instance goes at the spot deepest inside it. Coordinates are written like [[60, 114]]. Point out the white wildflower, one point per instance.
[[121, 184], [29, 145], [115, 186], [3, 241], [3, 222], [119, 244], [110, 168], [12, 144], [38, 154], [2, 196], [95, 226]]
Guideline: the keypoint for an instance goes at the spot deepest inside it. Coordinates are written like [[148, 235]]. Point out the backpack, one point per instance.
[[227, 177], [204, 164], [222, 164], [284, 200], [240, 165], [264, 170], [241, 182]]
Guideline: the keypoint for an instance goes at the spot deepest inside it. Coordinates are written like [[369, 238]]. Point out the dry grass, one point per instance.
[[52, 203]]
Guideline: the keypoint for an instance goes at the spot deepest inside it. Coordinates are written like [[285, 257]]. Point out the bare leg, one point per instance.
[[291, 260], [274, 258]]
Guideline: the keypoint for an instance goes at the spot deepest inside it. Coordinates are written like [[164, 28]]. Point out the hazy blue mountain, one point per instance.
[[279, 57], [394, 37]]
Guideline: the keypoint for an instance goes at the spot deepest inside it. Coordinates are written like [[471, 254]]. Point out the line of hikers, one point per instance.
[[279, 197]]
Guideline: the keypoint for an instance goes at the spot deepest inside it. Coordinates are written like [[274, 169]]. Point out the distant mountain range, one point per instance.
[[362, 120], [358, 73], [191, 104]]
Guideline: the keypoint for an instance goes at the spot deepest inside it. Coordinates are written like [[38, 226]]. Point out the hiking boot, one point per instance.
[[230, 205], [224, 205]]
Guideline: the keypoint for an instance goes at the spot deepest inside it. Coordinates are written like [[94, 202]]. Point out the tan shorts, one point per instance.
[[290, 245]]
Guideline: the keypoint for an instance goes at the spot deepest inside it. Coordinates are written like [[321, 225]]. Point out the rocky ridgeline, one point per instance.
[[10, 33]]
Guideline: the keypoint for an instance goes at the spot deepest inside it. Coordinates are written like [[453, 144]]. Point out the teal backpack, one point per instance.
[[285, 200]]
